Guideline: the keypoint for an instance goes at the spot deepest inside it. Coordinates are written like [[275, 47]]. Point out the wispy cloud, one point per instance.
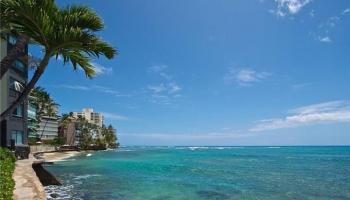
[[289, 7], [245, 77], [96, 88], [300, 86], [113, 116], [74, 87], [326, 28], [100, 69], [346, 11], [160, 70], [157, 68], [157, 88], [167, 90], [325, 39], [328, 112]]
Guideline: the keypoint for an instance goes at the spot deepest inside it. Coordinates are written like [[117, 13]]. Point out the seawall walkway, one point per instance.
[[27, 186]]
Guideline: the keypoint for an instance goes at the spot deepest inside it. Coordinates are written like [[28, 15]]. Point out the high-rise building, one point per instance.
[[91, 116], [14, 127]]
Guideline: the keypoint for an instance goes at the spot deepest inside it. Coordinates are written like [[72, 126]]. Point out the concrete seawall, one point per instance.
[[27, 184]]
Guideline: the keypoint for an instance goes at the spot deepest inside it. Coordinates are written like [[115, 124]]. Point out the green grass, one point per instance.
[[7, 166]]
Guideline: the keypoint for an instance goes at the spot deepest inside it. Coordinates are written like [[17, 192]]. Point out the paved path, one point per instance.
[[28, 186]]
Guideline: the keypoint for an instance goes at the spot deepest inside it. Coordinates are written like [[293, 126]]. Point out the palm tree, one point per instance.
[[68, 32]]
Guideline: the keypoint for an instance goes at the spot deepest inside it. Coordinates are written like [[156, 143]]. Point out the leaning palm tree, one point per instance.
[[69, 33]]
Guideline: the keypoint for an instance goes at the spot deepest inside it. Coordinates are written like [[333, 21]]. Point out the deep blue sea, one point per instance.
[[208, 173]]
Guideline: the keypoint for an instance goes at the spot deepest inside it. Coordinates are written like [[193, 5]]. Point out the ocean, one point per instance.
[[208, 173]]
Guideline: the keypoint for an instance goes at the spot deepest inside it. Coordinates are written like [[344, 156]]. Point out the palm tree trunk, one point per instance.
[[13, 54], [38, 72], [42, 132]]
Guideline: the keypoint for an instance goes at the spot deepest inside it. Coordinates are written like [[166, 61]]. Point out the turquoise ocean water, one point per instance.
[[208, 173]]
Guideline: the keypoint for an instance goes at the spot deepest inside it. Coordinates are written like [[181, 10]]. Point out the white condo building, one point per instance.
[[90, 116]]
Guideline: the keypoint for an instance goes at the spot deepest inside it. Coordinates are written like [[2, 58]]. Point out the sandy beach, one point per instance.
[[58, 156]]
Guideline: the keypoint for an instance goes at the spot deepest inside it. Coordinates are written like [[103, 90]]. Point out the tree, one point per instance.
[[68, 32], [86, 132], [110, 137]]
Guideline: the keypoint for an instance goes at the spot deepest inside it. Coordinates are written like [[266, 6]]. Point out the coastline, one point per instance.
[[58, 155], [28, 184]]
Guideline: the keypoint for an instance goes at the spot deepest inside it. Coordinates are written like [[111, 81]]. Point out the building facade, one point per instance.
[[91, 116], [48, 128], [14, 128], [32, 121]]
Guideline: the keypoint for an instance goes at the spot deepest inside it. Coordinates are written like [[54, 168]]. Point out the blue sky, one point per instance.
[[221, 72]]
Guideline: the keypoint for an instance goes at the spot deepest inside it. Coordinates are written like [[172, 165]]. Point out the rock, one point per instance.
[[54, 195]]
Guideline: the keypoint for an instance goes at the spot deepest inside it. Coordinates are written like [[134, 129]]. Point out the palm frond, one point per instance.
[[82, 17], [78, 59]]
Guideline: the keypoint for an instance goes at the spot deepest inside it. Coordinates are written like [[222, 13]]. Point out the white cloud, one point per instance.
[[96, 88], [173, 87], [328, 112], [169, 88], [285, 7], [74, 87], [160, 70], [164, 92], [99, 69], [245, 77], [325, 39], [300, 86], [157, 88], [113, 116], [157, 68], [328, 26], [346, 11]]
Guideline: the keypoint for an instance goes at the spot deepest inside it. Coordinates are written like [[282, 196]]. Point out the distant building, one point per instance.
[[68, 133], [91, 116], [14, 127], [48, 128]]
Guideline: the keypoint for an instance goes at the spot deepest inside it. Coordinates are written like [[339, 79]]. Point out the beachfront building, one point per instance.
[[11, 84], [91, 116], [32, 120], [13, 130], [67, 131], [48, 127]]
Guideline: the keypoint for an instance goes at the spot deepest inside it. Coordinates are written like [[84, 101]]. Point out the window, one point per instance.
[[19, 65], [18, 112], [16, 85], [17, 136], [12, 39]]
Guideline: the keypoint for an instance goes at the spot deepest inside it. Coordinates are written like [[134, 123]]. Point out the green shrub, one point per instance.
[[7, 166]]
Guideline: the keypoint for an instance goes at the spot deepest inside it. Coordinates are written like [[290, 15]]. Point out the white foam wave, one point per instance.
[[125, 150], [85, 176], [64, 192], [195, 148]]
